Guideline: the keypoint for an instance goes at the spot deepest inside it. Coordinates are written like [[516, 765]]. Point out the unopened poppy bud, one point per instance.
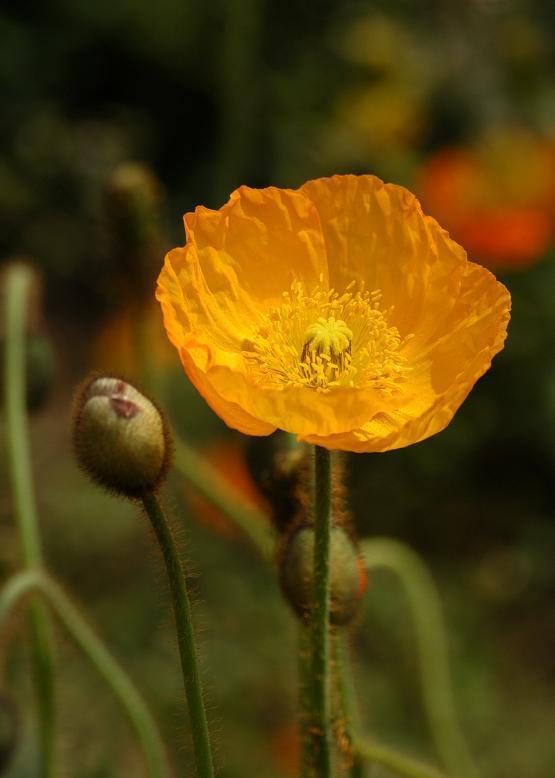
[[133, 217], [120, 436], [348, 578], [278, 468]]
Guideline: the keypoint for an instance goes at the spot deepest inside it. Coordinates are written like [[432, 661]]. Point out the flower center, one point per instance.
[[327, 340], [324, 340]]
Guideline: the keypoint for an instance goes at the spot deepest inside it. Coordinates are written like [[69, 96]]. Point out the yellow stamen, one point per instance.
[[324, 339]]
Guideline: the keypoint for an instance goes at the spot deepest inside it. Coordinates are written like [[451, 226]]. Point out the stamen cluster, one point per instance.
[[324, 339]]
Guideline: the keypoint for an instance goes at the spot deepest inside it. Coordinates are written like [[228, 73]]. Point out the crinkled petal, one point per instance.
[[234, 415], [299, 410], [443, 373], [240, 260], [377, 235], [220, 313], [208, 313], [265, 239]]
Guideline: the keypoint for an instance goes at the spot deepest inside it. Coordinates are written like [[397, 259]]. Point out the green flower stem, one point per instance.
[[347, 698], [18, 282], [365, 750], [320, 630], [396, 763], [210, 484], [107, 666], [432, 649], [185, 637]]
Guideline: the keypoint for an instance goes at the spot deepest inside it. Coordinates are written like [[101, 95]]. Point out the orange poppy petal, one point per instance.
[[443, 373], [265, 239], [377, 234], [377, 375]]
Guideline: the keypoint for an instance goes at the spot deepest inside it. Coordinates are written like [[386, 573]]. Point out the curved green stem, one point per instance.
[[18, 283], [185, 637], [107, 666], [320, 630], [210, 484], [365, 750], [349, 707], [432, 649], [397, 763]]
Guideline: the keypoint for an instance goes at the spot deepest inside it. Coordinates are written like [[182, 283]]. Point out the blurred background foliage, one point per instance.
[[162, 106]]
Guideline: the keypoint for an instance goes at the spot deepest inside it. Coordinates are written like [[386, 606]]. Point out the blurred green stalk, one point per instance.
[[320, 617], [210, 484], [107, 666], [185, 636], [365, 750], [239, 95], [431, 641], [17, 288], [304, 701], [397, 763]]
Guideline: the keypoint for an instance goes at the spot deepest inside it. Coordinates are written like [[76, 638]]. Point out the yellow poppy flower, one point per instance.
[[338, 312]]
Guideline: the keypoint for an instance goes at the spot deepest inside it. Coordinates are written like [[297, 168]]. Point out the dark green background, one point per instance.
[[213, 95]]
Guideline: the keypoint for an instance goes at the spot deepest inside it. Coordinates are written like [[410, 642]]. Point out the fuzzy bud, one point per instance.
[[279, 470], [348, 577], [133, 202], [121, 438]]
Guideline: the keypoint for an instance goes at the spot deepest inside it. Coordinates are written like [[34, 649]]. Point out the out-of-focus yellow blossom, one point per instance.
[[338, 312], [120, 344], [379, 43], [388, 115], [385, 108]]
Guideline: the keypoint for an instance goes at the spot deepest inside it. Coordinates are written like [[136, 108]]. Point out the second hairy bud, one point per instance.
[[348, 577]]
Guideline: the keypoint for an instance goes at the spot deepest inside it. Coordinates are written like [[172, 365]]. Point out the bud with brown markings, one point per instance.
[[120, 436]]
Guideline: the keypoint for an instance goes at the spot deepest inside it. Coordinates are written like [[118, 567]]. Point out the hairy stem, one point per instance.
[[91, 645], [18, 282], [320, 630], [349, 707], [185, 637], [432, 649]]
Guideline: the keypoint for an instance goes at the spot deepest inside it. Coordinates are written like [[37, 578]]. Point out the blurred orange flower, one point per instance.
[[497, 198], [228, 459], [338, 312], [120, 344]]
